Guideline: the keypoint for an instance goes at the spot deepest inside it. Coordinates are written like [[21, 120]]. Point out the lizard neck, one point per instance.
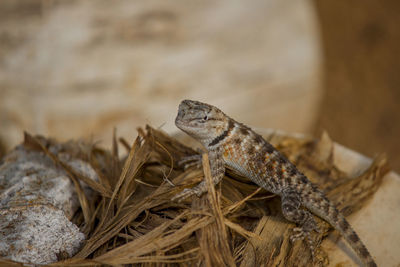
[[218, 141]]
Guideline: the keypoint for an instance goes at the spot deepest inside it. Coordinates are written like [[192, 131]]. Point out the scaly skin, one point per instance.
[[236, 145]]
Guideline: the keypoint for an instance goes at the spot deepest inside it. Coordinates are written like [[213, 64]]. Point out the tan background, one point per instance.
[[75, 69]]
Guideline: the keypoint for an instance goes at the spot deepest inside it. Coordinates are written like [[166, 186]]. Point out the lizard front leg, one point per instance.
[[217, 167], [190, 161]]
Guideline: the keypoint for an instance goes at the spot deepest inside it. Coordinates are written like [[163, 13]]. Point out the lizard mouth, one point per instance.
[[180, 115], [178, 122], [183, 109], [189, 115]]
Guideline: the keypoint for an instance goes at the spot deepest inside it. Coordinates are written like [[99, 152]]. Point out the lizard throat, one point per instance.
[[225, 134]]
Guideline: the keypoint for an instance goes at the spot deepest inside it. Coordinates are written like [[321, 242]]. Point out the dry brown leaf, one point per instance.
[[134, 221]]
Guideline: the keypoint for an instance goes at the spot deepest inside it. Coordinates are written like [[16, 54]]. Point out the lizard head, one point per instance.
[[201, 121]]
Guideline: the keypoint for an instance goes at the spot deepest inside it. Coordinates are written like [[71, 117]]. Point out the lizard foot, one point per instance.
[[299, 233], [187, 192]]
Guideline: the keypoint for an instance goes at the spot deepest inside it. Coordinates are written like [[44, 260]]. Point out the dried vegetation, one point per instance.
[[134, 221]]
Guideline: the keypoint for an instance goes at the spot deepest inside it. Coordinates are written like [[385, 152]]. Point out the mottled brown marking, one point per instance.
[[258, 139], [243, 130], [353, 237], [237, 141], [269, 148], [344, 225], [364, 252], [301, 216], [303, 179], [251, 149], [270, 168], [221, 137], [279, 172], [281, 160], [292, 171], [335, 215], [290, 198], [326, 209], [260, 165]]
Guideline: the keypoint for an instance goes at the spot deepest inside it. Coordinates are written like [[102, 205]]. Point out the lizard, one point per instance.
[[233, 144]]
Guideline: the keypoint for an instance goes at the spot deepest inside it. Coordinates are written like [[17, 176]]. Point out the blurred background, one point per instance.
[[71, 69]]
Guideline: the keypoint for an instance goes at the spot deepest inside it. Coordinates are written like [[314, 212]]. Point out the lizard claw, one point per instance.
[[187, 192], [297, 234]]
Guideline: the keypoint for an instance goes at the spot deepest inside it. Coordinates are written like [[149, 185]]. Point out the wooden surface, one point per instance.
[[377, 223], [360, 43]]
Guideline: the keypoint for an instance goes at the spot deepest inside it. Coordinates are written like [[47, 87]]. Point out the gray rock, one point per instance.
[[37, 199]]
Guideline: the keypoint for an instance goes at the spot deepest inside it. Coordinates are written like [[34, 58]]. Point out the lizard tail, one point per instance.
[[327, 211]]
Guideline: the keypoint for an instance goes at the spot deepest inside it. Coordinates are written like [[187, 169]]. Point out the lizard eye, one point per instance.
[[205, 117]]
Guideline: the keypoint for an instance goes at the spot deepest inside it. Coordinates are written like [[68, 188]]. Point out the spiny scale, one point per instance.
[[236, 145]]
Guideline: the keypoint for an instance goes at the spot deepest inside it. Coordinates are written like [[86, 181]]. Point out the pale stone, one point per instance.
[[37, 199]]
